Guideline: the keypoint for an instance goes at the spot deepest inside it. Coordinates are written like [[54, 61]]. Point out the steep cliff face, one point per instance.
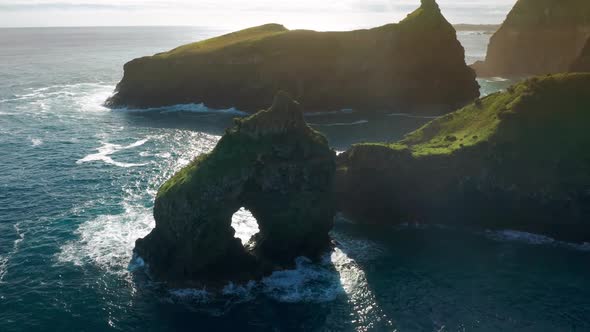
[[417, 64], [517, 160], [271, 163], [582, 62], [538, 37]]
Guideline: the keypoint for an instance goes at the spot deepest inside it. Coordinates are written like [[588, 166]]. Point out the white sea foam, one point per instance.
[[3, 266], [308, 282], [497, 79], [4, 259], [193, 295], [108, 240], [164, 155], [510, 235], [36, 141], [337, 276], [241, 292], [107, 149], [533, 239], [193, 108], [339, 124]]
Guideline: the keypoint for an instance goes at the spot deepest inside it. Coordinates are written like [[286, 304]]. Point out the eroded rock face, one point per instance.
[[582, 63], [417, 64], [513, 160], [271, 163], [538, 37]]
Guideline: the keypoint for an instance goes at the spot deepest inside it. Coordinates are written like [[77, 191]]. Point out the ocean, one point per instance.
[[77, 184]]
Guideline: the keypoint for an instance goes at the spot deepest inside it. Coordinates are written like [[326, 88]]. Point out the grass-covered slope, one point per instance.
[[515, 159], [213, 44], [415, 64], [271, 163], [538, 37]]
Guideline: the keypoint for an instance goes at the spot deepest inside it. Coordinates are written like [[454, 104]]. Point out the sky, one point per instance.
[[295, 14]]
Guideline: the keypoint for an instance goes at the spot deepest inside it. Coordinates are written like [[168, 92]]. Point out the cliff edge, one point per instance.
[[415, 65], [538, 37], [512, 160]]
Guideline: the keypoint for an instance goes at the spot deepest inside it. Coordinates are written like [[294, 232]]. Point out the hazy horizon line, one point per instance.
[[185, 26]]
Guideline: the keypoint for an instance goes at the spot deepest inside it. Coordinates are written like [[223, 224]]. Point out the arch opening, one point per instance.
[[245, 225]]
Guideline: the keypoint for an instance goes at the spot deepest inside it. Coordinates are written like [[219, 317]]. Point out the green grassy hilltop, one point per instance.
[[417, 64], [517, 159]]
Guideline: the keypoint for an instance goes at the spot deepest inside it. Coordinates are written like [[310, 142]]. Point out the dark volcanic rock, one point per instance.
[[417, 64], [538, 37], [582, 63], [271, 163], [514, 160]]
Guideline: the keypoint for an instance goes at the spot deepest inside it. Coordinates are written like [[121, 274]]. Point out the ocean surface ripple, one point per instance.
[[78, 181]]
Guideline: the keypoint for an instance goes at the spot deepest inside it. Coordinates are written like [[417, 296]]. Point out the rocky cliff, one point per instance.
[[538, 37], [271, 163], [417, 64], [516, 160], [582, 62]]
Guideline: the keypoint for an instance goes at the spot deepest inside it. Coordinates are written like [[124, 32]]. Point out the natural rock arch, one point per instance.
[[271, 163]]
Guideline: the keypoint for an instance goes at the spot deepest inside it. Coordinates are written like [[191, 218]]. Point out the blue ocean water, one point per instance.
[[77, 183]]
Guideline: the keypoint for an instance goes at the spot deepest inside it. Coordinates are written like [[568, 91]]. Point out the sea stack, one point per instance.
[[538, 37], [417, 65], [512, 160], [271, 163], [582, 63]]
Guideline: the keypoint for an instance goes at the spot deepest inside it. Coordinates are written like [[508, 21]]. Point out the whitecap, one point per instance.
[[105, 152], [36, 141]]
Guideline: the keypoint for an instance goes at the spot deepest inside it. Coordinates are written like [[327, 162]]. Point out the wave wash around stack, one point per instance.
[[273, 164]]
